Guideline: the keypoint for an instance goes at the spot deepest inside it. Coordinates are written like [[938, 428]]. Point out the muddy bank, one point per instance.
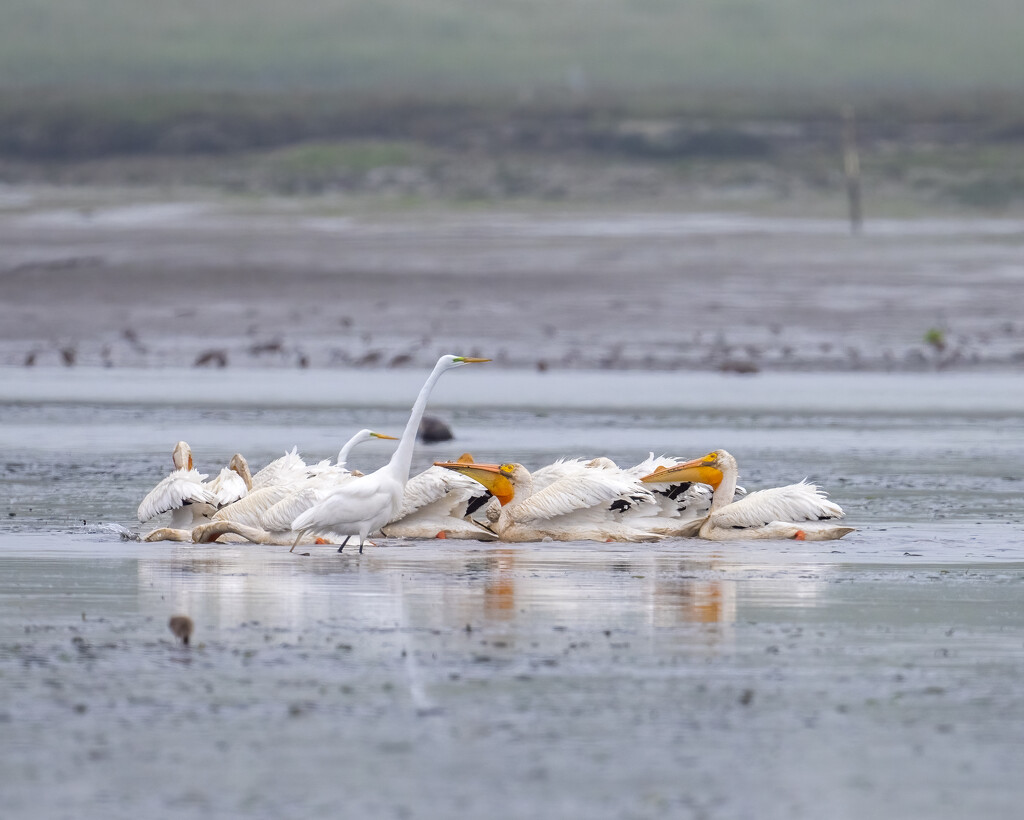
[[315, 282]]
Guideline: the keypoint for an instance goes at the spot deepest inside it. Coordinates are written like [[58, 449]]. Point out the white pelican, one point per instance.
[[683, 505], [680, 508], [589, 502], [189, 498], [365, 505], [793, 511], [438, 503]]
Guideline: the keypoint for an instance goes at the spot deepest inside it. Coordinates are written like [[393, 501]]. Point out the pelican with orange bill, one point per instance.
[[794, 511], [593, 501]]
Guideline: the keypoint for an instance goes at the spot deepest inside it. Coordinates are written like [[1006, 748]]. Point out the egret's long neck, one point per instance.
[[401, 460], [347, 448], [726, 490]]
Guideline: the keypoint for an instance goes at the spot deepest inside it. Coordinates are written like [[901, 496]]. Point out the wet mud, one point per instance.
[[117, 280]]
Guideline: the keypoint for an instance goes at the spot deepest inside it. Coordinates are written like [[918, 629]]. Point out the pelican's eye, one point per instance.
[[507, 469]]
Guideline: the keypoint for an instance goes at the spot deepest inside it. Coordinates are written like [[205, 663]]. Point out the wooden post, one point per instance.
[[851, 168]]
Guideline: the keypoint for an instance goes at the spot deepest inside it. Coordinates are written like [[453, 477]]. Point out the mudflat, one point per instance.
[[130, 280]]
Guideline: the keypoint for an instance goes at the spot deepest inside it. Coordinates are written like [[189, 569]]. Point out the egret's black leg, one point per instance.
[[343, 543]]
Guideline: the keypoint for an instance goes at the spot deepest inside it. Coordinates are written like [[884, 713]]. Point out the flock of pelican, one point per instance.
[[291, 502]]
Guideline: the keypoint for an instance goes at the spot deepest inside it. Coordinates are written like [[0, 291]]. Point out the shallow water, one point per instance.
[[874, 676]]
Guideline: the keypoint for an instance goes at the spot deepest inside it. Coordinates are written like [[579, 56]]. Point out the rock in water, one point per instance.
[[433, 429]]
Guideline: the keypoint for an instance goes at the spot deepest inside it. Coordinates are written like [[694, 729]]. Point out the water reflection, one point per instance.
[[446, 588], [677, 601]]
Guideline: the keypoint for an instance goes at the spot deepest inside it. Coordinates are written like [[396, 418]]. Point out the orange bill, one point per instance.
[[696, 471], [490, 476]]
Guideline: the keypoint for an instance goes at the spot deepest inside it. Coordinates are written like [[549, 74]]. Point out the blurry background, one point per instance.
[[170, 154], [753, 88]]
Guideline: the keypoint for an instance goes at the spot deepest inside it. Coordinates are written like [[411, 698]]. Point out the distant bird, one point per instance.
[[365, 505], [794, 511], [181, 626]]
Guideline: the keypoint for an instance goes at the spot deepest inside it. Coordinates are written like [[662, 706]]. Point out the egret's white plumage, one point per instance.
[[793, 511], [588, 502], [367, 504], [302, 496]]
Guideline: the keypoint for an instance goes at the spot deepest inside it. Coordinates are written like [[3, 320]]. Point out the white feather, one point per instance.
[[284, 470], [793, 503], [180, 488]]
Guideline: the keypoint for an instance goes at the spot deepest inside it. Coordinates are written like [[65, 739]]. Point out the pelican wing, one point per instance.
[[652, 463], [792, 503], [562, 468], [228, 487], [446, 513], [432, 485], [279, 517], [285, 469], [248, 511], [175, 491], [594, 487]]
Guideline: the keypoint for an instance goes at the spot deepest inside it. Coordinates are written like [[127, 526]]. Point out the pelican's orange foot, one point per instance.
[[321, 541], [800, 536], [441, 534]]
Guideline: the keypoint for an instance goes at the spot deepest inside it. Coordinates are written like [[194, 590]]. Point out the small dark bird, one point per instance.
[[433, 429], [211, 358], [181, 626]]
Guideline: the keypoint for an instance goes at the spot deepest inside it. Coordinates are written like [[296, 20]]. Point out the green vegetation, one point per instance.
[[517, 47], [936, 338]]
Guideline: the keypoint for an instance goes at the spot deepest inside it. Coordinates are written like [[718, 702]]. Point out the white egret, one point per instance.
[[365, 505]]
